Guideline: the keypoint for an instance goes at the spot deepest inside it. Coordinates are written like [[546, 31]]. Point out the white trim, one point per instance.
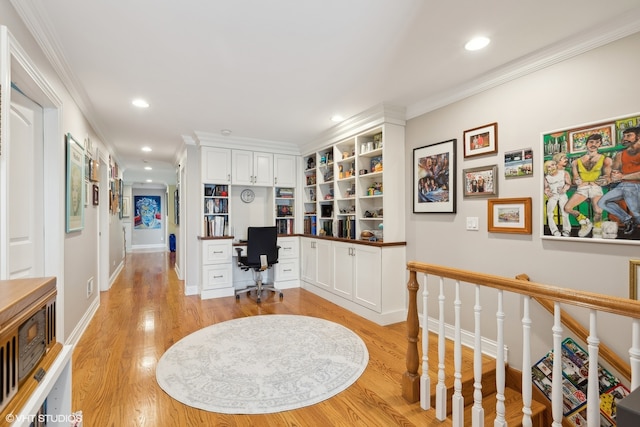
[[78, 331]]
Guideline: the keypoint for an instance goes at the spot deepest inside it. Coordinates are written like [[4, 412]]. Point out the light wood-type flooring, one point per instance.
[[146, 311]]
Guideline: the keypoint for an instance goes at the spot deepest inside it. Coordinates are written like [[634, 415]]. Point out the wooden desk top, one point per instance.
[[19, 294]]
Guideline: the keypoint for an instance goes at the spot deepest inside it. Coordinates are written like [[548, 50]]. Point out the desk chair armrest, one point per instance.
[[239, 253]]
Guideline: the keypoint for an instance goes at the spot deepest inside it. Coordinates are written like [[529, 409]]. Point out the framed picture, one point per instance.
[[509, 215], [148, 212], [481, 140], [634, 276], [586, 191], [480, 182], [75, 185], [518, 163], [96, 195], [434, 178], [126, 207]]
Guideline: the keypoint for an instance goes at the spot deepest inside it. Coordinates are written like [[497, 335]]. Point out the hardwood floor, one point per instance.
[[146, 312]]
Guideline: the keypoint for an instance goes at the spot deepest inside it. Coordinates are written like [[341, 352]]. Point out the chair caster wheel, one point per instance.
[[237, 297], [281, 296], [258, 300]]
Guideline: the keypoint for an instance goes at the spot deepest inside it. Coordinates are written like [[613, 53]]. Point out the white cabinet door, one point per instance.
[[252, 168], [324, 263], [309, 260], [343, 265], [242, 163], [216, 165], [284, 167], [263, 169], [367, 280]]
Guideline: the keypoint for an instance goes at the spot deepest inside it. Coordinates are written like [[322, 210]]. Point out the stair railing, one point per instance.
[[417, 388]]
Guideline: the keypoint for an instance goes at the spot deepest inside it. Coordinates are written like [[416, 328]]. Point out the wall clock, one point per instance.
[[247, 195]]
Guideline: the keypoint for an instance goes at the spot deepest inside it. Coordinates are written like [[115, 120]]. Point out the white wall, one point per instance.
[[593, 86], [80, 248]]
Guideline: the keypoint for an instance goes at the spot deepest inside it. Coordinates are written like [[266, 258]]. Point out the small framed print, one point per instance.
[[481, 140], [96, 195], [509, 215], [518, 163], [634, 276], [480, 182]]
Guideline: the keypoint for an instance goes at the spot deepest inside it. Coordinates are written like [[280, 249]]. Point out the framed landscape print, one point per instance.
[[434, 178], [589, 187], [509, 215]]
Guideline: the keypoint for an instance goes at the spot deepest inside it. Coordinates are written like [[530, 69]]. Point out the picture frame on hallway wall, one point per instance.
[[481, 141], [512, 215], [590, 185], [75, 188], [634, 276], [434, 178], [481, 181]]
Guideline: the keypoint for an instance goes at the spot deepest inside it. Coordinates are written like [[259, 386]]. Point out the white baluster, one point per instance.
[[634, 355], [526, 365], [458, 400], [593, 387], [500, 375], [425, 381], [477, 412], [441, 389], [556, 384]]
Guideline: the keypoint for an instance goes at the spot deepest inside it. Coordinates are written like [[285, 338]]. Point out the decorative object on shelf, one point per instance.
[[247, 195], [434, 178], [518, 163], [480, 182], [376, 164], [96, 195], [75, 188], [311, 163], [509, 215], [588, 190], [634, 276], [481, 140]]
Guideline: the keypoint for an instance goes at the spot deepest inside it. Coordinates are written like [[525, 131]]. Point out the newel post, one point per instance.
[[411, 379]]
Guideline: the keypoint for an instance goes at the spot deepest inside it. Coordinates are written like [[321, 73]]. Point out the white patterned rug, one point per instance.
[[262, 364]]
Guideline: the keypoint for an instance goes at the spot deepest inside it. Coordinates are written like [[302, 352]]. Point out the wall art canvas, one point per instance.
[[591, 181], [148, 212], [434, 172], [75, 185]]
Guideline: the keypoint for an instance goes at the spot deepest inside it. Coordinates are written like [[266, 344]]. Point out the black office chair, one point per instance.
[[262, 253]]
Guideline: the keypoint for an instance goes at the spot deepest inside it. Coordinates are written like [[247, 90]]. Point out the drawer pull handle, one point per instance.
[[287, 269], [218, 252], [218, 277]]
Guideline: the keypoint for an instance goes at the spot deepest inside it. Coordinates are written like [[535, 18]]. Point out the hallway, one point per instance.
[[145, 312]]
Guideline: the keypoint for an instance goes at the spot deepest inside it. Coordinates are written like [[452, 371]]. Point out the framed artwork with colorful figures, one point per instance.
[[591, 181]]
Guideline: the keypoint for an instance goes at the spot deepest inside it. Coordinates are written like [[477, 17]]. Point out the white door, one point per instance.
[[242, 167], [263, 169], [216, 165], [284, 167], [25, 172]]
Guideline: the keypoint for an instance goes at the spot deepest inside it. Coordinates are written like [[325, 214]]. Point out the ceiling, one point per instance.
[[277, 70]]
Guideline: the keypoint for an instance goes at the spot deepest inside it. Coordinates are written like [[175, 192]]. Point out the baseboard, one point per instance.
[[116, 273], [149, 248], [82, 325]]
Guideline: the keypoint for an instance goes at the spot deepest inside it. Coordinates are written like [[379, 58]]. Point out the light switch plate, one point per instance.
[[472, 223]]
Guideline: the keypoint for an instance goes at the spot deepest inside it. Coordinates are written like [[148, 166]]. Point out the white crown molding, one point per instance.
[[40, 28], [374, 116], [215, 140], [569, 48]]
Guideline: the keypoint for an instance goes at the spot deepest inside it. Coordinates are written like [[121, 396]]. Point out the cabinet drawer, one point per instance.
[[287, 269], [216, 276], [288, 248], [216, 252]]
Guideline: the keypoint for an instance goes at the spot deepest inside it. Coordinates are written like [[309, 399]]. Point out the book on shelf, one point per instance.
[[284, 226], [215, 225], [285, 193]]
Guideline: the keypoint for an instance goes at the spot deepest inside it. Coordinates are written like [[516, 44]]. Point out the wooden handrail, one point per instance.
[[591, 300], [582, 333], [550, 294]]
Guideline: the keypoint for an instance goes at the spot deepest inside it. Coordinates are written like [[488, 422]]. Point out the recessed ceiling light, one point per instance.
[[140, 103], [148, 168], [149, 180], [337, 118], [225, 132], [146, 149], [477, 43]]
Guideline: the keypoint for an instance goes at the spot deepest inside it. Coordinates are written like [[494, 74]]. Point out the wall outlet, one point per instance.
[[89, 287]]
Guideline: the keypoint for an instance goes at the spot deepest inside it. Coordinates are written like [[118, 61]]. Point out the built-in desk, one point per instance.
[[221, 275]]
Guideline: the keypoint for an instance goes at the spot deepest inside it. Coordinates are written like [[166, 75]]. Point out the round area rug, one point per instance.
[[262, 364]]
